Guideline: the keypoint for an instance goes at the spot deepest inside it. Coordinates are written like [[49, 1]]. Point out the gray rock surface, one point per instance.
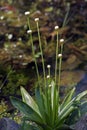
[[81, 124], [8, 124]]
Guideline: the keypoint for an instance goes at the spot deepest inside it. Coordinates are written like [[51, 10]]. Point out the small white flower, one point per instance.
[[2, 17], [61, 40], [20, 39], [48, 76], [56, 27], [27, 13], [48, 66], [50, 85], [20, 56], [59, 55], [36, 19], [10, 36], [29, 31]]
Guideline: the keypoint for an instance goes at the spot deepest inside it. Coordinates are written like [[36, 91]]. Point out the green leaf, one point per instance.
[[64, 127], [47, 108], [29, 100], [27, 110], [40, 102], [53, 94], [81, 95], [83, 108], [69, 104], [27, 126], [67, 99], [66, 108], [54, 102], [78, 113], [64, 112]]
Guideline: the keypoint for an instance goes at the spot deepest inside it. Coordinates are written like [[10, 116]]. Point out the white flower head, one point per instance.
[[59, 55], [27, 13], [20, 56], [48, 66], [56, 27], [50, 85], [20, 39], [61, 40], [29, 31], [2, 17], [36, 19], [48, 76], [10, 36]]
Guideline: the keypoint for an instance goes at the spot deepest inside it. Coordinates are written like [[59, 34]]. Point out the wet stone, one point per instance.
[[81, 124], [8, 124], [82, 85]]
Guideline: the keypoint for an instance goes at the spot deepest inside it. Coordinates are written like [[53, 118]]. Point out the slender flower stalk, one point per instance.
[[27, 13], [66, 20], [60, 62], [48, 66], [40, 45], [6, 78], [33, 52], [61, 42], [28, 19], [56, 62]]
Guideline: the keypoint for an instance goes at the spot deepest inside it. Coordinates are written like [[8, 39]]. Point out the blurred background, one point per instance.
[[17, 66]]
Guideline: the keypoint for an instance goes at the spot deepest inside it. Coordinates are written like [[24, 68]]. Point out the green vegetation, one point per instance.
[[12, 82], [46, 111], [5, 112]]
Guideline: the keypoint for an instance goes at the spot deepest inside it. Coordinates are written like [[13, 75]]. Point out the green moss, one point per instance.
[[4, 112], [12, 82], [3, 109]]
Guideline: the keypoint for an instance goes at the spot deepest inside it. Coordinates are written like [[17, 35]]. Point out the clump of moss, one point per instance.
[[3, 109], [4, 112], [12, 82]]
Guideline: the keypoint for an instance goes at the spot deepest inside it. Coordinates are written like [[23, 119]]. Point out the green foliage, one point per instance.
[[46, 111], [4, 112], [12, 82]]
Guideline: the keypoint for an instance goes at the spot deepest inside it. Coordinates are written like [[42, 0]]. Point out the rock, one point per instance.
[[71, 63], [82, 85], [81, 124], [71, 78], [8, 124]]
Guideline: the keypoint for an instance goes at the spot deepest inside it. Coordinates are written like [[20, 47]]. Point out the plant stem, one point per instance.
[[60, 63], [28, 21], [40, 45], [66, 15], [56, 64], [5, 79], [49, 71], [33, 52], [61, 48]]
